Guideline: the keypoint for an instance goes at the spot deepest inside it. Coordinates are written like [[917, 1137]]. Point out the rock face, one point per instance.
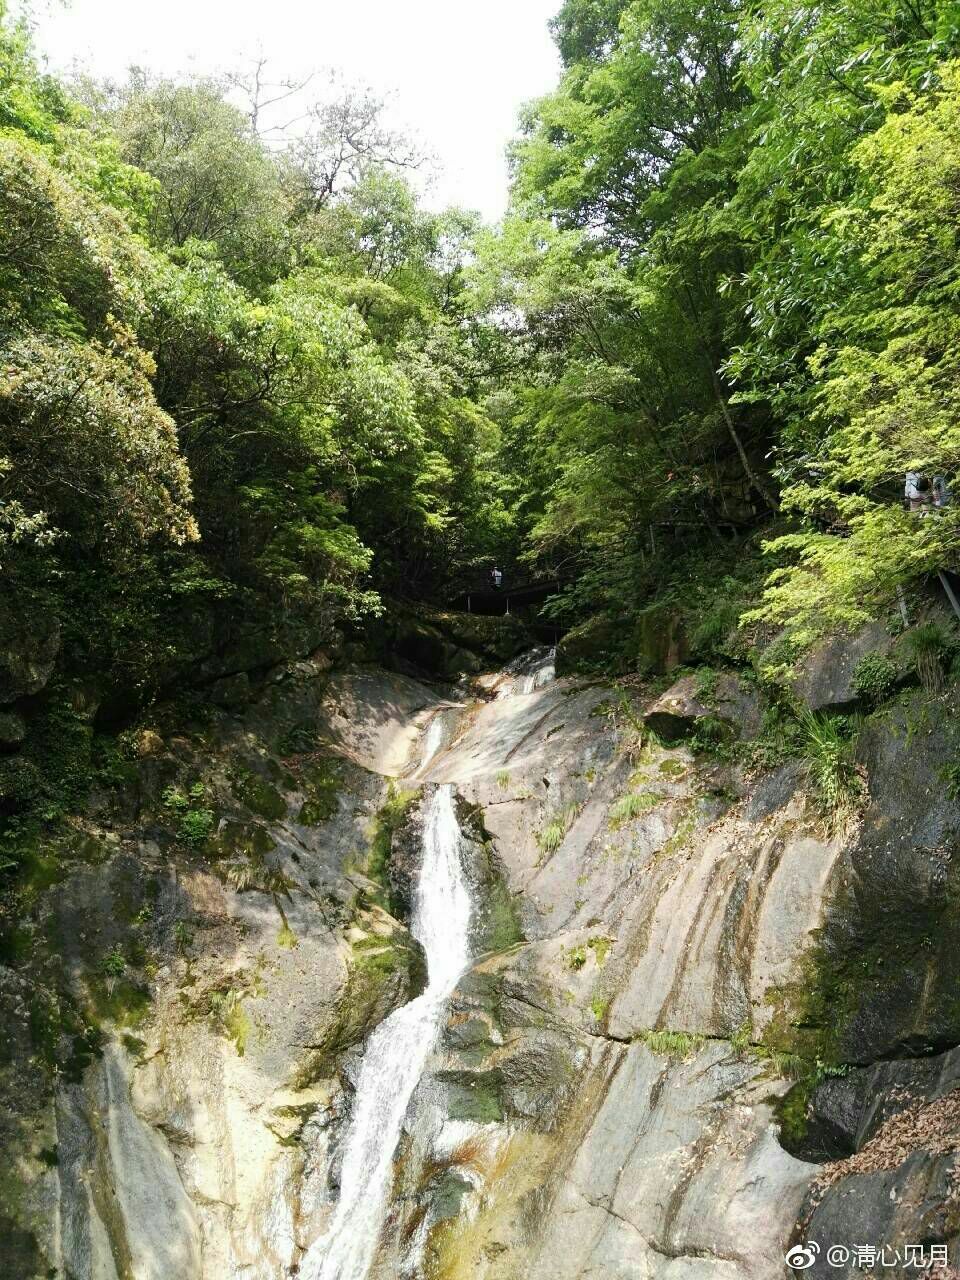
[[700, 1024], [826, 679], [27, 654]]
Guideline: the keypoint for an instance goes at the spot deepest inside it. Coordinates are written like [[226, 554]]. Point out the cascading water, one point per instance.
[[528, 673], [396, 1055], [544, 671]]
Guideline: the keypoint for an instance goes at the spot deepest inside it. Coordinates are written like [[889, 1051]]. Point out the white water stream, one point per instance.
[[543, 672], [396, 1055]]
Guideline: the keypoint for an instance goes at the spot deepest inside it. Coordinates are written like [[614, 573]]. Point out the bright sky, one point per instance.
[[456, 72]]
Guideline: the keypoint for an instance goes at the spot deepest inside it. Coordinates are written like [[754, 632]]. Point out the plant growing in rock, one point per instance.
[[673, 1044], [242, 875], [551, 837], [276, 881], [875, 678], [831, 768], [950, 775], [196, 822], [195, 826], [182, 936], [227, 1008], [114, 964], [928, 647], [632, 806]]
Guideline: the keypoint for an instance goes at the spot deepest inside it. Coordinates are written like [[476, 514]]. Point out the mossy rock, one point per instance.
[[394, 854], [29, 645], [21, 783], [13, 730], [599, 642], [258, 795], [240, 839], [384, 972], [474, 1096], [322, 783], [660, 639], [123, 1002]]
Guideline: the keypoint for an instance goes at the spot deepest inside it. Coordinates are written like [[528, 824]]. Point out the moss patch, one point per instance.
[[322, 783], [241, 839], [258, 795], [389, 819]]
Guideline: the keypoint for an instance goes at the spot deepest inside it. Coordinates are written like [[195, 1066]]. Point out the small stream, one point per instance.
[[528, 673], [396, 1055]]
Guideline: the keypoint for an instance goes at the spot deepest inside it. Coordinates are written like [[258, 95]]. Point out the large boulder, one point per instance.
[[899, 1126], [598, 641], [727, 703], [29, 646], [675, 714], [826, 677], [660, 639]]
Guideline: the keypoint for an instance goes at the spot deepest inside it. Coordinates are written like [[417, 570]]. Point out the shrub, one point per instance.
[[113, 963], [875, 678], [195, 826], [21, 783]]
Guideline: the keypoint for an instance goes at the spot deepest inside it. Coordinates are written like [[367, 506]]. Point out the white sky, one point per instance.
[[456, 72]]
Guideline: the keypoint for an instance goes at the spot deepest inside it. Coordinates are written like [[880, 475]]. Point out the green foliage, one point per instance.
[[229, 406], [681, 1045], [828, 749], [950, 775], [195, 827], [551, 837], [195, 823], [632, 806], [228, 1010], [928, 647], [601, 948], [114, 963], [182, 936], [875, 678]]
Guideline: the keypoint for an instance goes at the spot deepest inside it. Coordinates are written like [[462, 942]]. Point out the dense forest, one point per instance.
[[254, 392]]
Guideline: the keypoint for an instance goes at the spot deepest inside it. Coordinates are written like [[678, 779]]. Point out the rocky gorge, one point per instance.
[[701, 1022]]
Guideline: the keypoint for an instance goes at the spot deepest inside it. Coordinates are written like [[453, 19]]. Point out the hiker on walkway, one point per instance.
[[497, 577], [941, 492], [918, 492]]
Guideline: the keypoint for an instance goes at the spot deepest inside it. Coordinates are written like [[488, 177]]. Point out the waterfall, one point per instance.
[[542, 673], [528, 673], [396, 1055]]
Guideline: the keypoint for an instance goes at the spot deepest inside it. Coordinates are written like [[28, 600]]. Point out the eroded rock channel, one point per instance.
[[688, 1025]]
